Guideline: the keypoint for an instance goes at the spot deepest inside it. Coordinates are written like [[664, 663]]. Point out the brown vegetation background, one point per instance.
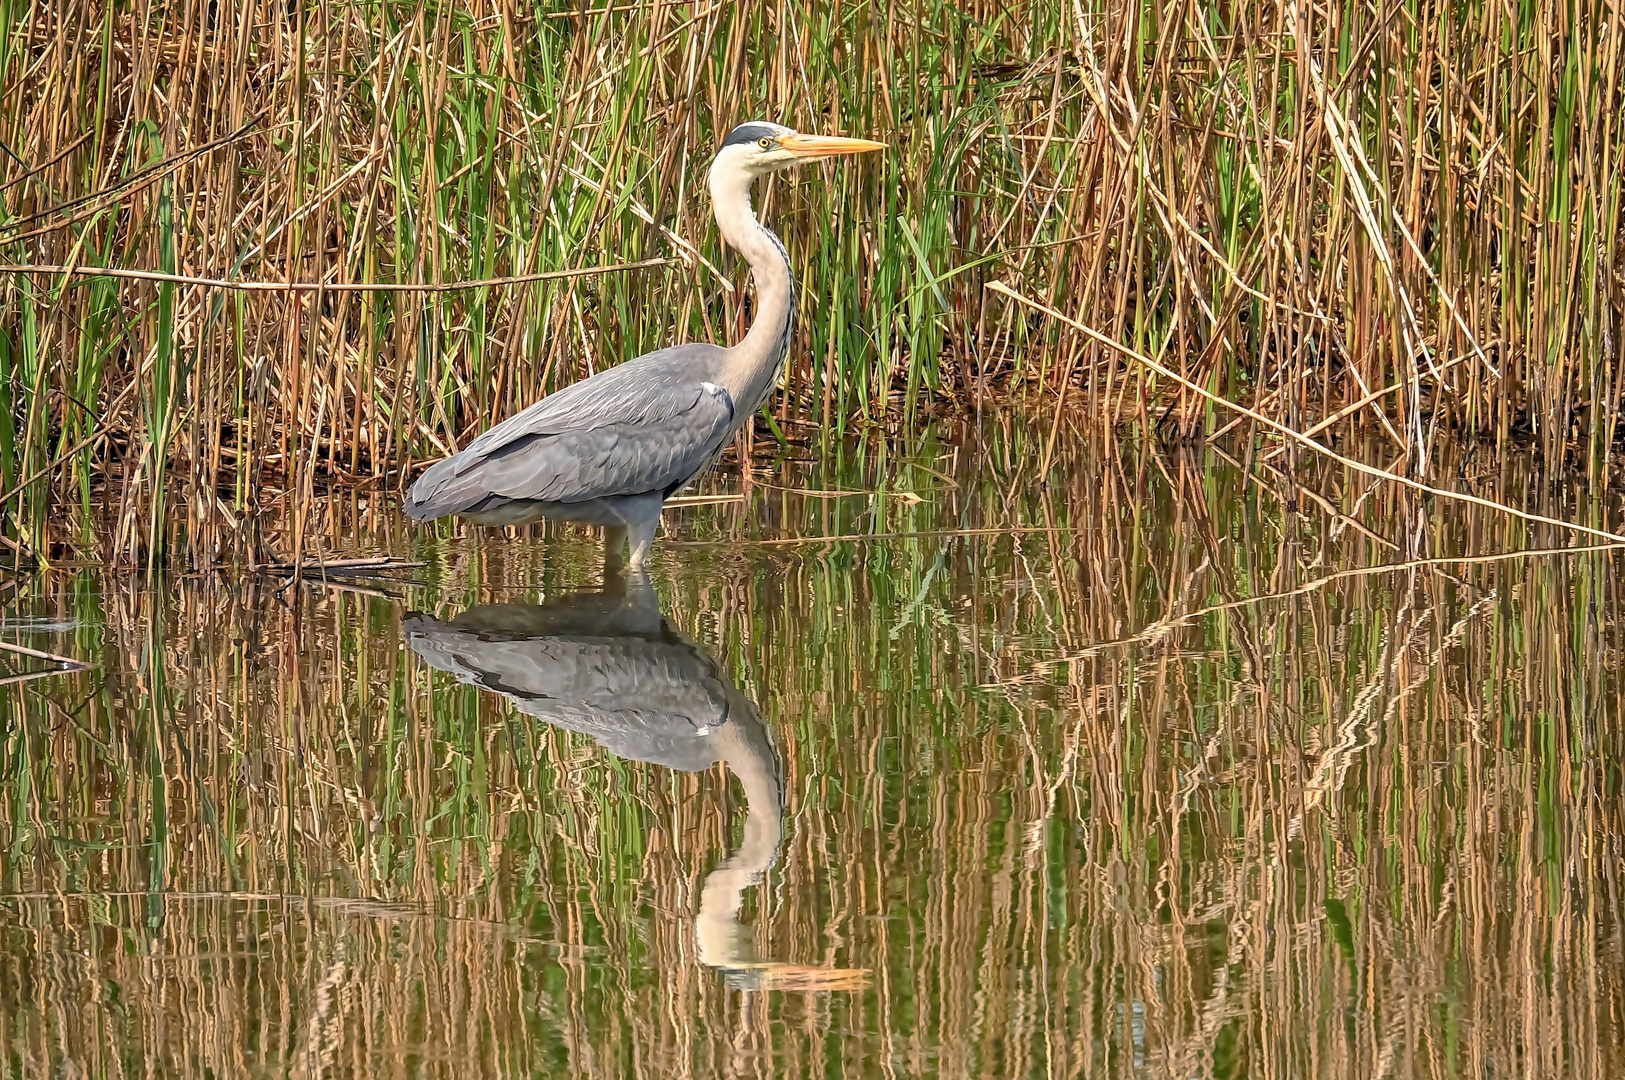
[[1402, 215]]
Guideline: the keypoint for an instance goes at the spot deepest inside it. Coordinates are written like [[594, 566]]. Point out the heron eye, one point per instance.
[[764, 142]]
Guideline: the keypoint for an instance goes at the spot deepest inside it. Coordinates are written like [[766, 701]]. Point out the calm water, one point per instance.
[[1162, 768]]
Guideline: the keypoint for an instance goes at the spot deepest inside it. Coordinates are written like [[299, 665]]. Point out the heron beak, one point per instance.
[[817, 147]]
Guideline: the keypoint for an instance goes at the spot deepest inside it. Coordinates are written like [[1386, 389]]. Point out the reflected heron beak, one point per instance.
[[818, 147]]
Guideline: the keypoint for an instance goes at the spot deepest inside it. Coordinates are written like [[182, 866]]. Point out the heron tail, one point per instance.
[[443, 489]]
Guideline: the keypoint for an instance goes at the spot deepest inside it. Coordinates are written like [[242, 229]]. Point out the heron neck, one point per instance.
[[751, 368]]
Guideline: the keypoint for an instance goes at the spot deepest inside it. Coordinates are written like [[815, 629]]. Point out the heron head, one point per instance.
[[758, 148]]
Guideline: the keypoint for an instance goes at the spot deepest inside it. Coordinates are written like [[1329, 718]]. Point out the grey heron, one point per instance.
[[609, 665], [611, 449]]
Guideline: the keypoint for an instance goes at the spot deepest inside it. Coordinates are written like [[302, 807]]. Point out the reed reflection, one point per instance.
[[607, 663]]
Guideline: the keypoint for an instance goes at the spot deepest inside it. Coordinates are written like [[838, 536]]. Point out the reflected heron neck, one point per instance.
[[751, 368], [722, 942]]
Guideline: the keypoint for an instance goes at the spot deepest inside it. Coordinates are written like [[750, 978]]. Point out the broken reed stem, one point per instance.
[[1174, 622], [1296, 436], [68, 663], [334, 286], [927, 534]]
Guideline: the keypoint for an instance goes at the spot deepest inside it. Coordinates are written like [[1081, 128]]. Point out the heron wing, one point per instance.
[[649, 424], [653, 699]]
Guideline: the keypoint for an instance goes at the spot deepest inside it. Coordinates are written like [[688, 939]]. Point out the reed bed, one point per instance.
[[1112, 793], [1401, 215]]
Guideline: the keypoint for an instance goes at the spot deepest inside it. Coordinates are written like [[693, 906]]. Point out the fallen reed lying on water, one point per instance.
[[1297, 209], [63, 663]]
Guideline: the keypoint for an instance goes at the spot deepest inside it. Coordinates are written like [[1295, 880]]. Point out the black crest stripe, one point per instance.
[[748, 133]]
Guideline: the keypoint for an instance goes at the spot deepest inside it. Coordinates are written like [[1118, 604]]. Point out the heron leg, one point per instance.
[[641, 534], [614, 548]]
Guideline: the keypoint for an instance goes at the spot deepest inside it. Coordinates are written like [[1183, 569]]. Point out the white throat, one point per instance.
[[751, 368]]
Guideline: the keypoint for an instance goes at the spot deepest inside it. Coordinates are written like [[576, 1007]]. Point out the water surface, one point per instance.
[[923, 762]]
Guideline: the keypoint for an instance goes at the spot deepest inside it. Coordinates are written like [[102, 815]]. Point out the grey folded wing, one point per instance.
[[645, 699], [650, 424]]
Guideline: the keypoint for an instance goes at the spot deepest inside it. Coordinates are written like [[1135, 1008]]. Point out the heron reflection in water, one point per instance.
[[609, 665]]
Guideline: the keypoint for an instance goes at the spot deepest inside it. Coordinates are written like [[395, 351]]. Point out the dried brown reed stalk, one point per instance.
[[1297, 436], [64, 663], [332, 286]]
